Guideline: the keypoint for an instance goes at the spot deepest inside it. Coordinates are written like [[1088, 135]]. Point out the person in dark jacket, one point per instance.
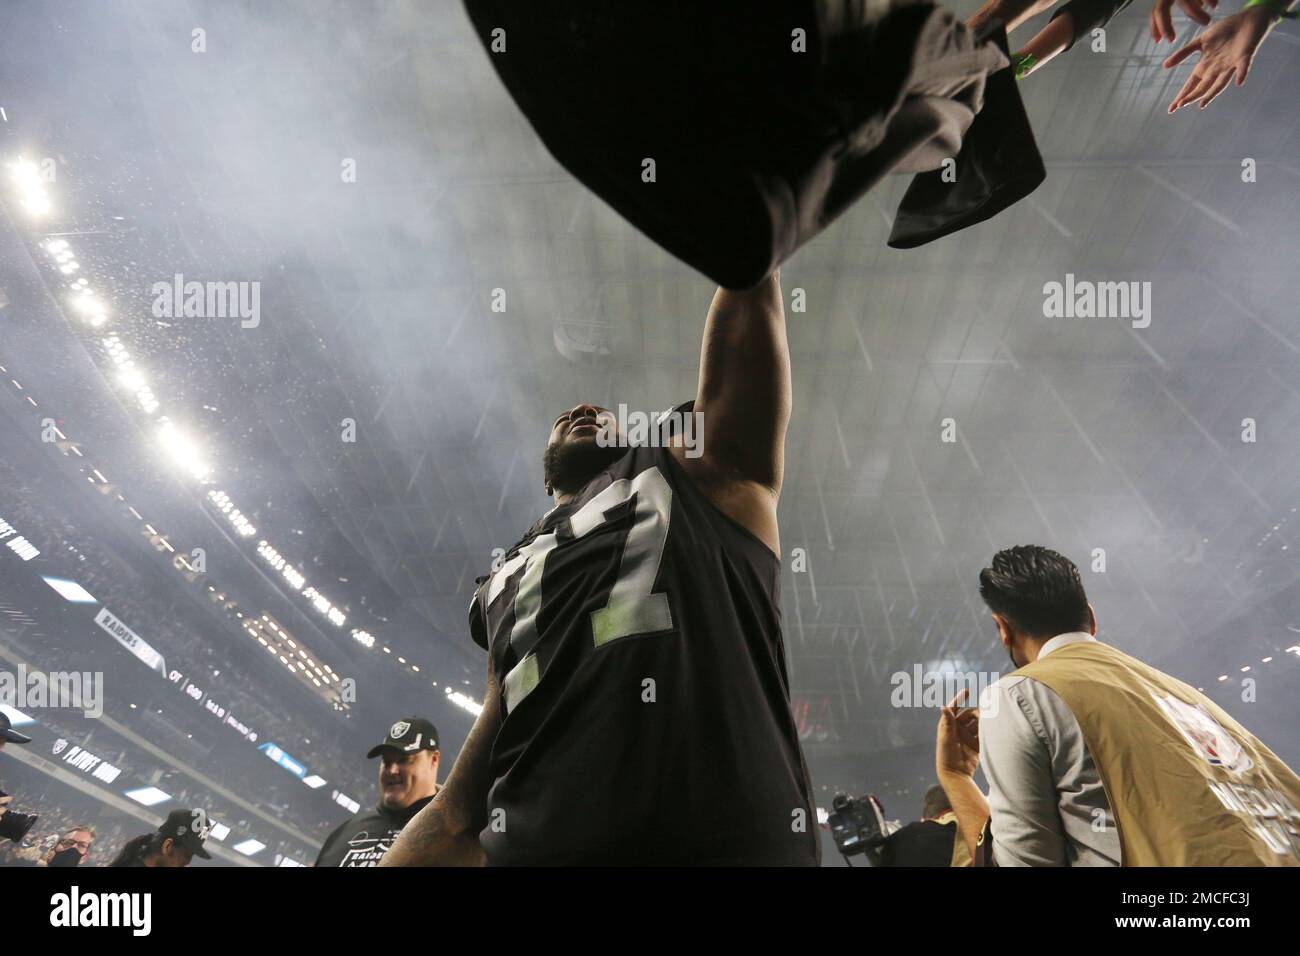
[[927, 842], [19, 823]]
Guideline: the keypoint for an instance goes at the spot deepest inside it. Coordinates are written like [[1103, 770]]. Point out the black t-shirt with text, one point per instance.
[[363, 840]]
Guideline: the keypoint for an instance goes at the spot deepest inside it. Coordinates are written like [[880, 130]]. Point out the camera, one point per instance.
[[857, 825], [15, 825]]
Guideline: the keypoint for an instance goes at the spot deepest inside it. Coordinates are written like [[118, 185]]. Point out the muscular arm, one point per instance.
[[445, 832], [743, 399]]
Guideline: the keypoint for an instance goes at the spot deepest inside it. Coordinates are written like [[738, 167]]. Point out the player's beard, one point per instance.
[[568, 465]]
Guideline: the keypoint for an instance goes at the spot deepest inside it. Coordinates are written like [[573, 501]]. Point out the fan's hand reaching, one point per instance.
[[1227, 49]]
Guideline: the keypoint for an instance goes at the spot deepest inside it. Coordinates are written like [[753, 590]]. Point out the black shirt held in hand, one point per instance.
[[363, 840]]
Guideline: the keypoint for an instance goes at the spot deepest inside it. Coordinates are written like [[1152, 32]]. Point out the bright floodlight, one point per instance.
[[182, 450], [71, 591], [149, 796], [249, 847], [89, 305], [31, 187], [131, 378], [16, 717], [314, 781], [464, 702]]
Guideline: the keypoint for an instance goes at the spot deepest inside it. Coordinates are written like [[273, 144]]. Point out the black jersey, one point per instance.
[[635, 634], [363, 840]]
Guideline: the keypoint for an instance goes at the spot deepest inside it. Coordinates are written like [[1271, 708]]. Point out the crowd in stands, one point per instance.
[[193, 642]]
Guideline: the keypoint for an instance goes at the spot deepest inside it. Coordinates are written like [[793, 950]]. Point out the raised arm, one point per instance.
[[744, 387], [1011, 12], [445, 832], [956, 758], [743, 400]]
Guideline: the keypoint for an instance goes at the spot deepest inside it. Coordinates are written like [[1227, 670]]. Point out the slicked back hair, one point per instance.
[[1037, 590]]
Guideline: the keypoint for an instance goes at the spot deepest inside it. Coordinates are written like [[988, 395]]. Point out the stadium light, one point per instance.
[[31, 187], [149, 796], [88, 304], [182, 450], [71, 591], [131, 378], [222, 502], [464, 701], [16, 717]]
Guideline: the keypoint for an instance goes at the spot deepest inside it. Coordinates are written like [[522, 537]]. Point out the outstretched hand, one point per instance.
[[1227, 49], [1162, 21]]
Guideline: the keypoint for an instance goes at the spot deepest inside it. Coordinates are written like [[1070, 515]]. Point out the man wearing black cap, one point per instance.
[[408, 779], [172, 846], [10, 736]]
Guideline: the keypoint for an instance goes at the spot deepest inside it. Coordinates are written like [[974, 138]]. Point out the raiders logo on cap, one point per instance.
[[408, 735], [190, 829]]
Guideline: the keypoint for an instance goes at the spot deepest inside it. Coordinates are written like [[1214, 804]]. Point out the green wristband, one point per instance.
[[1275, 7], [1024, 63]]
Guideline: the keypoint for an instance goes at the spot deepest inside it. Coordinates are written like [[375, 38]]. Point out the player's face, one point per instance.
[[583, 424], [583, 440], [405, 778]]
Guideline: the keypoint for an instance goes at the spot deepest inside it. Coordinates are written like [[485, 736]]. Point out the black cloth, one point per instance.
[[69, 857], [923, 843], [1089, 15], [756, 148], [998, 165], [363, 840], [671, 742]]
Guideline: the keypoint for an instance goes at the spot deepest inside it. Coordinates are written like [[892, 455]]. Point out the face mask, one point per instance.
[[69, 857]]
